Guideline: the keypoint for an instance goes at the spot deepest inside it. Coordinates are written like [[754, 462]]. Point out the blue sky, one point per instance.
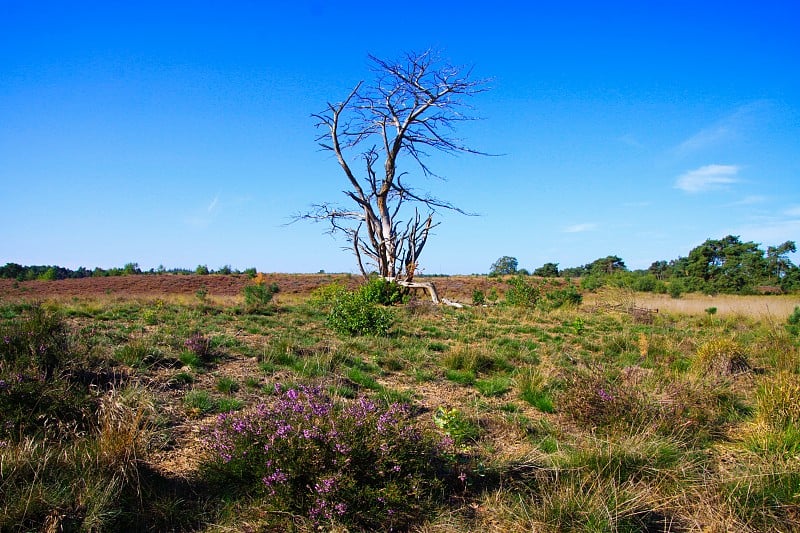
[[180, 133]]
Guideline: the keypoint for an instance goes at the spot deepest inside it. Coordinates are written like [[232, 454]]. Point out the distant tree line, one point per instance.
[[727, 266], [46, 272]]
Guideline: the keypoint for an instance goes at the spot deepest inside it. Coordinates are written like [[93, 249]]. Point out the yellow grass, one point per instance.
[[777, 307]]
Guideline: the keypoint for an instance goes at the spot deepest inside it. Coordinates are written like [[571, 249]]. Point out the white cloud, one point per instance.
[[578, 228], [707, 178], [729, 128], [793, 211]]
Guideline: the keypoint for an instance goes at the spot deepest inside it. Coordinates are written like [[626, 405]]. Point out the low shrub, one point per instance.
[[522, 293], [568, 296], [478, 297], [357, 464], [258, 295], [381, 291], [354, 314]]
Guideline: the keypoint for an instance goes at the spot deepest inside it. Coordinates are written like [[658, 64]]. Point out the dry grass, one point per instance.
[[775, 307]]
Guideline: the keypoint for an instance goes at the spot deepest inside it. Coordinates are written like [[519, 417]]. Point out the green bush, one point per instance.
[[521, 293], [381, 291], [353, 313], [257, 296], [568, 296], [478, 297]]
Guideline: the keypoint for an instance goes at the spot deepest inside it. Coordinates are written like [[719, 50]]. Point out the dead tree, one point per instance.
[[411, 109]]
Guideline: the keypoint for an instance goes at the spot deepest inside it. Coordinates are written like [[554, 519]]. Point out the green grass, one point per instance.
[[563, 420]]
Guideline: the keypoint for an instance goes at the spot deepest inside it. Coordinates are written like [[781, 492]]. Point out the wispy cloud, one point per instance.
[[578, 228], [707, 178], [203, 218], [630, 140], [749, 200], [771, 232], [729, 128], [793, 211], [214, 203]]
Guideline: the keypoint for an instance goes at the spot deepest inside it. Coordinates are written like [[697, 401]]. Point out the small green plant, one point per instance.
[[258, 295], [202, 295], [227, 385], [200, 401], [793, 322], [457, 426], [478, 297], [711, 311]]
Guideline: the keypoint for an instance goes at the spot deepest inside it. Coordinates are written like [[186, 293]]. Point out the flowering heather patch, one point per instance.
[[199, 345], [360, 463]]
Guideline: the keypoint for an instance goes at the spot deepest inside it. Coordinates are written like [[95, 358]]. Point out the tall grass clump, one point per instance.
[[36, 395], [357, 464]]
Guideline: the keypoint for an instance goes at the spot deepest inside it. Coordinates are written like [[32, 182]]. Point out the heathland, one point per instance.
[[281, 402]]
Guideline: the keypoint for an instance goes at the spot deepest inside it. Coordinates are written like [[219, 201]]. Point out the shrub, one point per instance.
[[354, 314], [793, 322], [568, 296], [478, 297], [324, 298], [357, 464], [258, 295], [381, 291], [36, 394], [521, 293]]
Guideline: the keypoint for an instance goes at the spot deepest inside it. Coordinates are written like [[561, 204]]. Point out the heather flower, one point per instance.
[[321, 459]]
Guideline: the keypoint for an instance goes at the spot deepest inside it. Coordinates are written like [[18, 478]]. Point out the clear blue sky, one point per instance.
[[180, 133]]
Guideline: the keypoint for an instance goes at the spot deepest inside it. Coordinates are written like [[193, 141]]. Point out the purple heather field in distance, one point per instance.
[[180, 133]]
